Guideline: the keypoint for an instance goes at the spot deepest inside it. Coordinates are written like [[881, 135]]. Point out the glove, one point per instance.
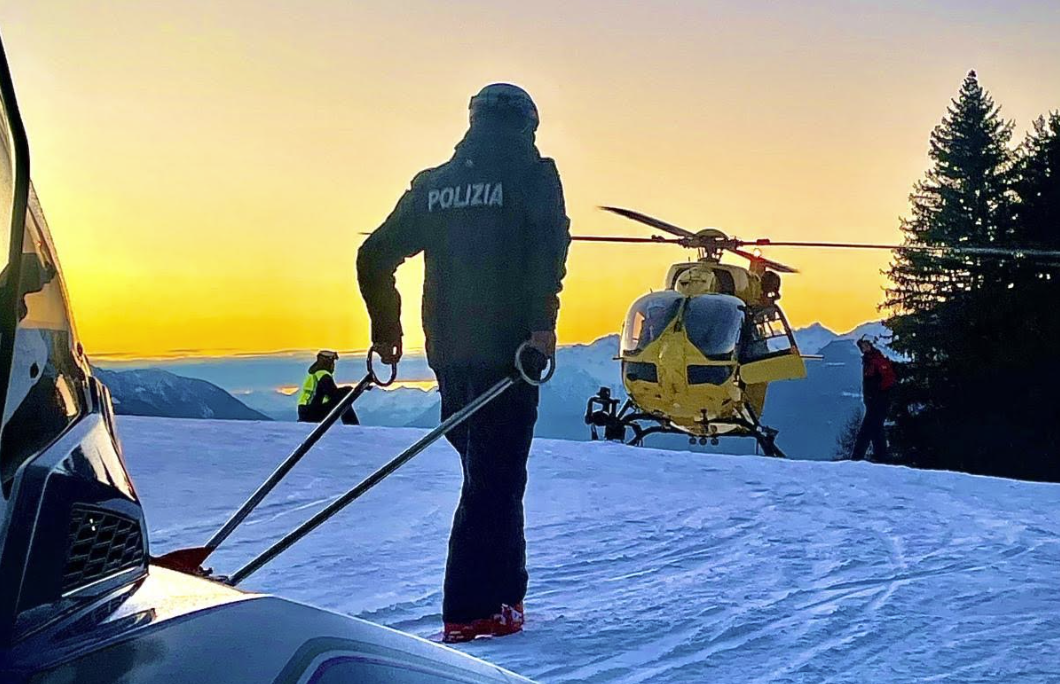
[[389, 352], [544, 341], [540, 348]]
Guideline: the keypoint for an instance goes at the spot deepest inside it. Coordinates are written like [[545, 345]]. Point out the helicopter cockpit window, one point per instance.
[[713, 323], [725, 282], [46, 391], [768, 335], [648, 318]]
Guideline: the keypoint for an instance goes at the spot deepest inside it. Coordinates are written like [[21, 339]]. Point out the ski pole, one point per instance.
[[401, 459], [333, 417], [192, 558]]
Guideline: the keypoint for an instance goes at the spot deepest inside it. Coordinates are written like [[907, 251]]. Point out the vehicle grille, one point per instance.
[[100, 544]]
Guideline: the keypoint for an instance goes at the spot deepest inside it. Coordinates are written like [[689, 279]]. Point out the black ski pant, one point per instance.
[[487, 548], [871, 430], [315, 413]]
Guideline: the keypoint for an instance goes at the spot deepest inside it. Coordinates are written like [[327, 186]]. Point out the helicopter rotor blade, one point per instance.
[[986, 251], [657, 239], [650, 221], [775, 265]]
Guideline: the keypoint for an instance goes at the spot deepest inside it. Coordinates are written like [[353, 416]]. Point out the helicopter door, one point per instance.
[[768, 350]]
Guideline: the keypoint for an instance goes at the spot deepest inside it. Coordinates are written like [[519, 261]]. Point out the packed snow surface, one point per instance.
[[650, 566]]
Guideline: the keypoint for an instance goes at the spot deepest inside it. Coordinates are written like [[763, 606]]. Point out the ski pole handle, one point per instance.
[[526, 377], [371, 370]]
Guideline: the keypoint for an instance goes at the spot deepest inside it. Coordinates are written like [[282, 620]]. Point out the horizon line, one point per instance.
[[218, 354]]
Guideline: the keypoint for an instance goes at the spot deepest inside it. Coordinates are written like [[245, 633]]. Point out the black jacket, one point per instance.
[[493, 230]]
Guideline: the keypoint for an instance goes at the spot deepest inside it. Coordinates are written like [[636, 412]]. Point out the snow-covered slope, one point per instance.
[[595, 360], [400, 407], [651, 566]]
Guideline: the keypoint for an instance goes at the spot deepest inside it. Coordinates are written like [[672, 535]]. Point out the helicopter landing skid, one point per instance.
[[603, 413], [765, 435]]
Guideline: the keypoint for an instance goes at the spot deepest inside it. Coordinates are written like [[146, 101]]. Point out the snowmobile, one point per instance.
[[83, 600]]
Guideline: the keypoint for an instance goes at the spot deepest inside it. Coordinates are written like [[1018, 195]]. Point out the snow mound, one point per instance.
[[650, 566]]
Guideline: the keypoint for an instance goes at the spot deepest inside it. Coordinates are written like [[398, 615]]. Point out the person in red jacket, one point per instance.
[[877, 379]]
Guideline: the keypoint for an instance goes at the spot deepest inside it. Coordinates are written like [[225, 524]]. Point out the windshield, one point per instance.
[[7, 177], [46, 386], [7, 203], [713, 323], [648, 318]]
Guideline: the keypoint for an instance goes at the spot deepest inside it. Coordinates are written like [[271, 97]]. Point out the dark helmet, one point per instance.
[[326, 355], [504, 101]]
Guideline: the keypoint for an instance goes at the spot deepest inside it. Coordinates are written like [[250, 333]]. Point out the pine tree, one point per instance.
[[941, 317], [1034, 327], [1038, 190]]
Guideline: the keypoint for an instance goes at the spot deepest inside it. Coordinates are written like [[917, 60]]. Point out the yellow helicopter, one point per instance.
[[698, 356]]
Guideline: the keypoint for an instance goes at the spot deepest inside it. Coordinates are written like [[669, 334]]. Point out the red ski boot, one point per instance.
[[508, 621]]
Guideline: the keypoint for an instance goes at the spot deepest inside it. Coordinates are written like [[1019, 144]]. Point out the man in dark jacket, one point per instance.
[[493, 230], [877, 379], [319, 393]]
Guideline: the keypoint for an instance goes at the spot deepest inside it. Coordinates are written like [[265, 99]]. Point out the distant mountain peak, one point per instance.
[[869, 328], [157, 392], [607, 341], [818, 327], [813, 338]]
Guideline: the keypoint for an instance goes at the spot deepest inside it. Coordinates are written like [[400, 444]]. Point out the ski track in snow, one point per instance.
[[649, 566]]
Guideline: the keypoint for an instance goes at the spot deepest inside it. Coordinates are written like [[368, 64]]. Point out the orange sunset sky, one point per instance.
[[207, 167]]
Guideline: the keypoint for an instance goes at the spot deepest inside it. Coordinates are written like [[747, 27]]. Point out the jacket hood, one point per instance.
[[497, 142]]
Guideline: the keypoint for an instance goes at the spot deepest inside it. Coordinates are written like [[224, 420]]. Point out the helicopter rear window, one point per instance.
[[713, 323], [648, 318]]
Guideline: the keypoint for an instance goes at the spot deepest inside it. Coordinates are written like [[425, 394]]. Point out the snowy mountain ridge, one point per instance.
[[815, 337], [156, 392], [810, 413]]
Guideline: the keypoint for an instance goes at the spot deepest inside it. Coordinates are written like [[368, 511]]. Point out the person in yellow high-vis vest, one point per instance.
[[319, 392]]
